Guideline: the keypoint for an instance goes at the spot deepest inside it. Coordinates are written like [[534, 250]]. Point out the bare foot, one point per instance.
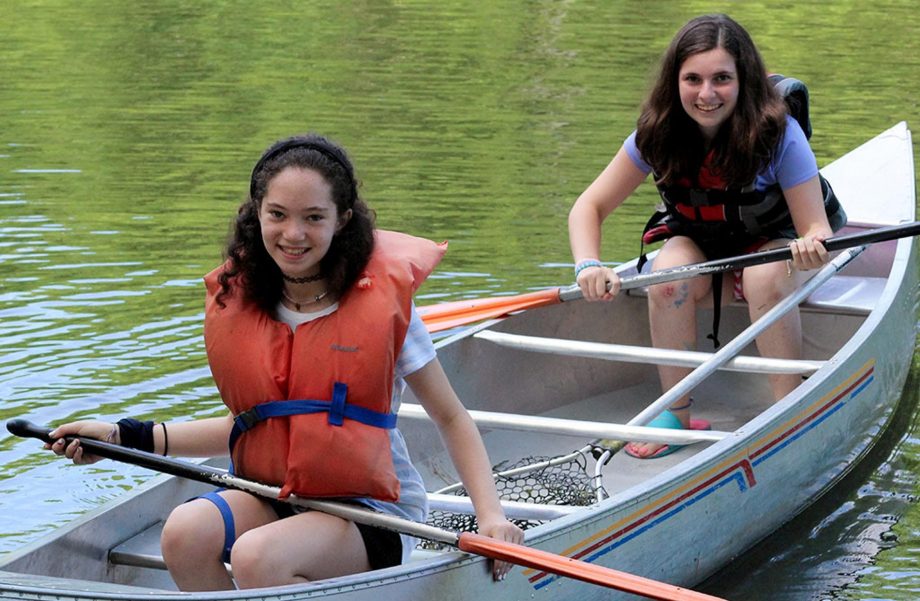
[[644, 450]]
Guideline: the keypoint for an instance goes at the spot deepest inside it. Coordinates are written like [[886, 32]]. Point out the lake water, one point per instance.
[[128, 131]]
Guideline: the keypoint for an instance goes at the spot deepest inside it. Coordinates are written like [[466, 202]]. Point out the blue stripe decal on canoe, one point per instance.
[[817, 417], [812, 425], [740, 472], [677, 509]]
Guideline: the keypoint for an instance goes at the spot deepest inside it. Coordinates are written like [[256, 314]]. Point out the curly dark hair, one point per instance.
[[258, 275], [672, 143]]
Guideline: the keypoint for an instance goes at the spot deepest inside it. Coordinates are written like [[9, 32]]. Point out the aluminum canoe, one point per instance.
[[538, 393]]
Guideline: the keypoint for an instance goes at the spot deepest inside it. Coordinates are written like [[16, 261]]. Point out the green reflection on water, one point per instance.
[[129, 130]]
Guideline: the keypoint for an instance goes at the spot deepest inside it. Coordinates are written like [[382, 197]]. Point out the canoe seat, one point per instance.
[[141, 550], [854, 295]]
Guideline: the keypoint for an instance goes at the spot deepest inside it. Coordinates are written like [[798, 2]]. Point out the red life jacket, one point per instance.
[[312, 407]]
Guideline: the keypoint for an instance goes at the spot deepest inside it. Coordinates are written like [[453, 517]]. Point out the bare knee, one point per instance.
[[193, 530], [766, 288], [662, 291], [672, 295], [252, 561]]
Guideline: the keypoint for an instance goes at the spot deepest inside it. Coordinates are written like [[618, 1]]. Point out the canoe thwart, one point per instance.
[[576, 427], [644, 354], [515, 510], [141, 550]]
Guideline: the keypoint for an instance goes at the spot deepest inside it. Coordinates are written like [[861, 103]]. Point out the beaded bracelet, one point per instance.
[[582, 265]]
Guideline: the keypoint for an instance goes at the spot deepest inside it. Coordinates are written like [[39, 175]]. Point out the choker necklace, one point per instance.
[[304, 280], [313, 300]]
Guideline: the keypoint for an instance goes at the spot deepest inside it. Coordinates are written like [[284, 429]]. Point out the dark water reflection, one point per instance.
[[858, 542], [129, 129]]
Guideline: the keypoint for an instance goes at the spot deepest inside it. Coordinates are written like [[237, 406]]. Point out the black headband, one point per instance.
[[283, 146]]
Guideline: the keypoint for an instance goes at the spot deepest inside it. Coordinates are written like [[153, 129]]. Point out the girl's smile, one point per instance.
[[708, 84], [298, 219]]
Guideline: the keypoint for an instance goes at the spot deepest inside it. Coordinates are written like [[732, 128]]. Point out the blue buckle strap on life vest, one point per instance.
[[338, 410]]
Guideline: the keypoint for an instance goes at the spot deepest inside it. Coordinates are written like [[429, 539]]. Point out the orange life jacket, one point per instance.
[[338, 368]]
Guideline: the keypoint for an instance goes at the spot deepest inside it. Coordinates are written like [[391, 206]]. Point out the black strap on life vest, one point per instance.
[[716, 308]]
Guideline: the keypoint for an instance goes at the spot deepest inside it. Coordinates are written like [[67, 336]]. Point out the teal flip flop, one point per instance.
[[670, 421]]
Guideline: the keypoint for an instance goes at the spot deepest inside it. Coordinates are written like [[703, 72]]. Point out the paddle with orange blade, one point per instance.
[[574, 568], [458, 313], [452, 314], [466, 541]]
